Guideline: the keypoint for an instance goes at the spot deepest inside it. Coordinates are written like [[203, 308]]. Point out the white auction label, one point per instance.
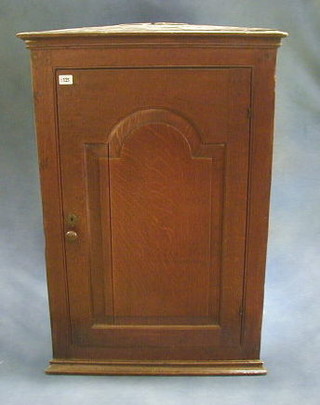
[[65, 79]]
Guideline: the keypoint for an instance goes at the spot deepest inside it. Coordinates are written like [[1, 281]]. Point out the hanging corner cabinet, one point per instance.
[[155, 149]]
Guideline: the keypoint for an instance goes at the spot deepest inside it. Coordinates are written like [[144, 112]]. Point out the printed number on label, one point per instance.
[[65, 79]]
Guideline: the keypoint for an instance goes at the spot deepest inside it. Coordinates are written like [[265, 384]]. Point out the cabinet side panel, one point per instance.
[[258, 197], [46, 128]]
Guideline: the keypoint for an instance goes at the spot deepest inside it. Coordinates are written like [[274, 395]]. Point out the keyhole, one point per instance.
[[72, 219]]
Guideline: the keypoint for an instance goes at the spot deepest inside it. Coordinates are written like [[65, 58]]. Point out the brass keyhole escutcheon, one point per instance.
[[71, 236], [72, 219]]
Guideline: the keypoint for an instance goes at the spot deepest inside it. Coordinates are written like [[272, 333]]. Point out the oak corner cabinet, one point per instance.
[[155, 147]]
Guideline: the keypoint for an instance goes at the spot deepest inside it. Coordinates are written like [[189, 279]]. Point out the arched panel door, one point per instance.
[[158, 266]]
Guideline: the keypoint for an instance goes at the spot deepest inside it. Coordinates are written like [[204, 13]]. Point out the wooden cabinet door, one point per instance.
[[154, 172]]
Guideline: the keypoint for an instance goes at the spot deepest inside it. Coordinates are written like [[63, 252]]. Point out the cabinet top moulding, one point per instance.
[[159, 31]]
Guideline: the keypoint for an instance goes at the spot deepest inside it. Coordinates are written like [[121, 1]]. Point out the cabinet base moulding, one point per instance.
[[227, 367]]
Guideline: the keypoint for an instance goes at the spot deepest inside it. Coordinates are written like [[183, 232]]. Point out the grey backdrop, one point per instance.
[[291, 332]]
